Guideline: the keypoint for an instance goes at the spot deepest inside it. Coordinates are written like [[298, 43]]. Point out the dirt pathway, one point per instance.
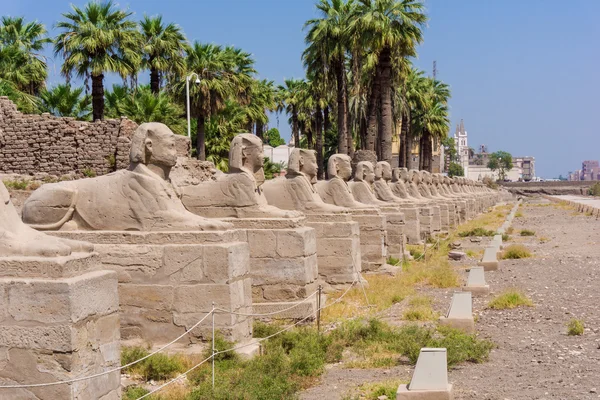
[[534, 358]]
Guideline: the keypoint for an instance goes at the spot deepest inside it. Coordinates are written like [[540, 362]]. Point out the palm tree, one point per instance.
[[327, 43], [23, 43], [290, 98], [97, 39], [64, 101], [224, 73], [164, 49], [390, 29], [261, 99], [431, 119], [409, 98]]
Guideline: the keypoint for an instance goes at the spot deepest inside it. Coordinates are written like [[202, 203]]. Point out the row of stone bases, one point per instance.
[[132, 255], [430, 378]]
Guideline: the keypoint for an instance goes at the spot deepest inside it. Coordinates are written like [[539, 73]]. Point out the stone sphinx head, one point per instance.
[[425, 177], [364, 172], [383, 170], [339, 165], [303, 161], [153, 143], [396, 175], [246, 155], [404, 174], [414, 176]]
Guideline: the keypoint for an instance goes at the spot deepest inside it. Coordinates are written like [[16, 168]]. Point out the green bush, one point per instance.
[[575, 327], [515, 252], [17, 184], [134, 393], [595, 189], [505, 237], [510, 299], [157, 367], [527, 232], [477, 232], [393, 261], [89, 173]]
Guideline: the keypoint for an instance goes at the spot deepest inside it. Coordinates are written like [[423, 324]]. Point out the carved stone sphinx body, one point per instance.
[[428, 190], [383, 191], [54, 296], [401, 187], [283, 248], [338, 240], [362, 190], [373, 239], [170, 262]]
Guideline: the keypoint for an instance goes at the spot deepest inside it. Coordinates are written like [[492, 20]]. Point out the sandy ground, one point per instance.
[[534, 357]]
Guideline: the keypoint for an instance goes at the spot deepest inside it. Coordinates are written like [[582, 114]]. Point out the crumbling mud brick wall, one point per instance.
[[33, 144]]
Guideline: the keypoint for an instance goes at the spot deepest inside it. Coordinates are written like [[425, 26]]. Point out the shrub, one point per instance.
[[416, 252], [477, 232], [17, 184], [575, 327], [393, 261], [515, 252], [88, 173], [158, 367], [511, 298], [505, 237], [595, 189], [527, 232], [134, 393]]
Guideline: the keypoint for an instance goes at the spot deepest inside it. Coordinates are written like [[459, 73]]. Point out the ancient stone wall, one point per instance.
[[33, 144]]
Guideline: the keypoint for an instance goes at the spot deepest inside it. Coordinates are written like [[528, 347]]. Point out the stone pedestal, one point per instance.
[[169, 280], [283, 263], [373, 238], [412, 225], [59, 321], [338, 248], [394, 223]]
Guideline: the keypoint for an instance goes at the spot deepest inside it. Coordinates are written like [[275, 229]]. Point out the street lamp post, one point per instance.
[[187, 95]]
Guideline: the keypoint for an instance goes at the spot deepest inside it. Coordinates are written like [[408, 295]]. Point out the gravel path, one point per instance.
[[534, 358]]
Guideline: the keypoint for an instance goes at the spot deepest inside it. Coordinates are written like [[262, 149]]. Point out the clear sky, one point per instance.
[[523, 73]]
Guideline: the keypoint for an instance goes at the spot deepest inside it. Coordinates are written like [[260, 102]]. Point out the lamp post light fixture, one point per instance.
[[187, 95]]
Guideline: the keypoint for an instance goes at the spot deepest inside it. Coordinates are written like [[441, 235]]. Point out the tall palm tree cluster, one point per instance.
[[100, 39], [360, 89]]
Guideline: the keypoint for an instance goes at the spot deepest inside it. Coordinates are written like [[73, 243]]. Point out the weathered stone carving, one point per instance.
[[383, 191], [296, 190], [336, 190], [140, 198], [18, 239], [237, 194]]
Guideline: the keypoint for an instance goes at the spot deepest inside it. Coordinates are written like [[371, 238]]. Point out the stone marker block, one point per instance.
[[457, 255], [476, 282], [460, 313], [489, 261], [430, 379]]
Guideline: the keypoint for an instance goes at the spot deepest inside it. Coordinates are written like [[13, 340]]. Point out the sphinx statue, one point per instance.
[[336, 190], [296, 190], [20, 240], [140, 198], [383, 191], [238, 193]]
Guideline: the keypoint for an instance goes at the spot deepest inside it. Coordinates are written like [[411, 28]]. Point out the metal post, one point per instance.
[[319, 308], [187, 96], [213, 345]]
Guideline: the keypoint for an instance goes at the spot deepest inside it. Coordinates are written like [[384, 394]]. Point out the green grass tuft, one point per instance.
[[393, 261], [527, 232], [158, 367], [575, 327], [477, 232], [511, 298], [515, 252]]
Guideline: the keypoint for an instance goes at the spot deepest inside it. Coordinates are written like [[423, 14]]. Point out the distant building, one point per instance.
[[462, 146], [527, 166], [590, 170]]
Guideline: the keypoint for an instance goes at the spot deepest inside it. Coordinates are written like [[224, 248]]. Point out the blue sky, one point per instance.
[[523, 73]]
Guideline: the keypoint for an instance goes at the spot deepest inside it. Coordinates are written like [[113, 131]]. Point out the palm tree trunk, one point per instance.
[[319, 140], [402, 153], [387, 120], [154, 81], [342, 107], [421, 149], [259, 129], [309, 133], [363, 133], [295, 132], [372, 113], [200, 140], [97, 97]]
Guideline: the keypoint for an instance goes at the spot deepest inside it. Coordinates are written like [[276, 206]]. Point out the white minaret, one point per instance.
[[462, 147]]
